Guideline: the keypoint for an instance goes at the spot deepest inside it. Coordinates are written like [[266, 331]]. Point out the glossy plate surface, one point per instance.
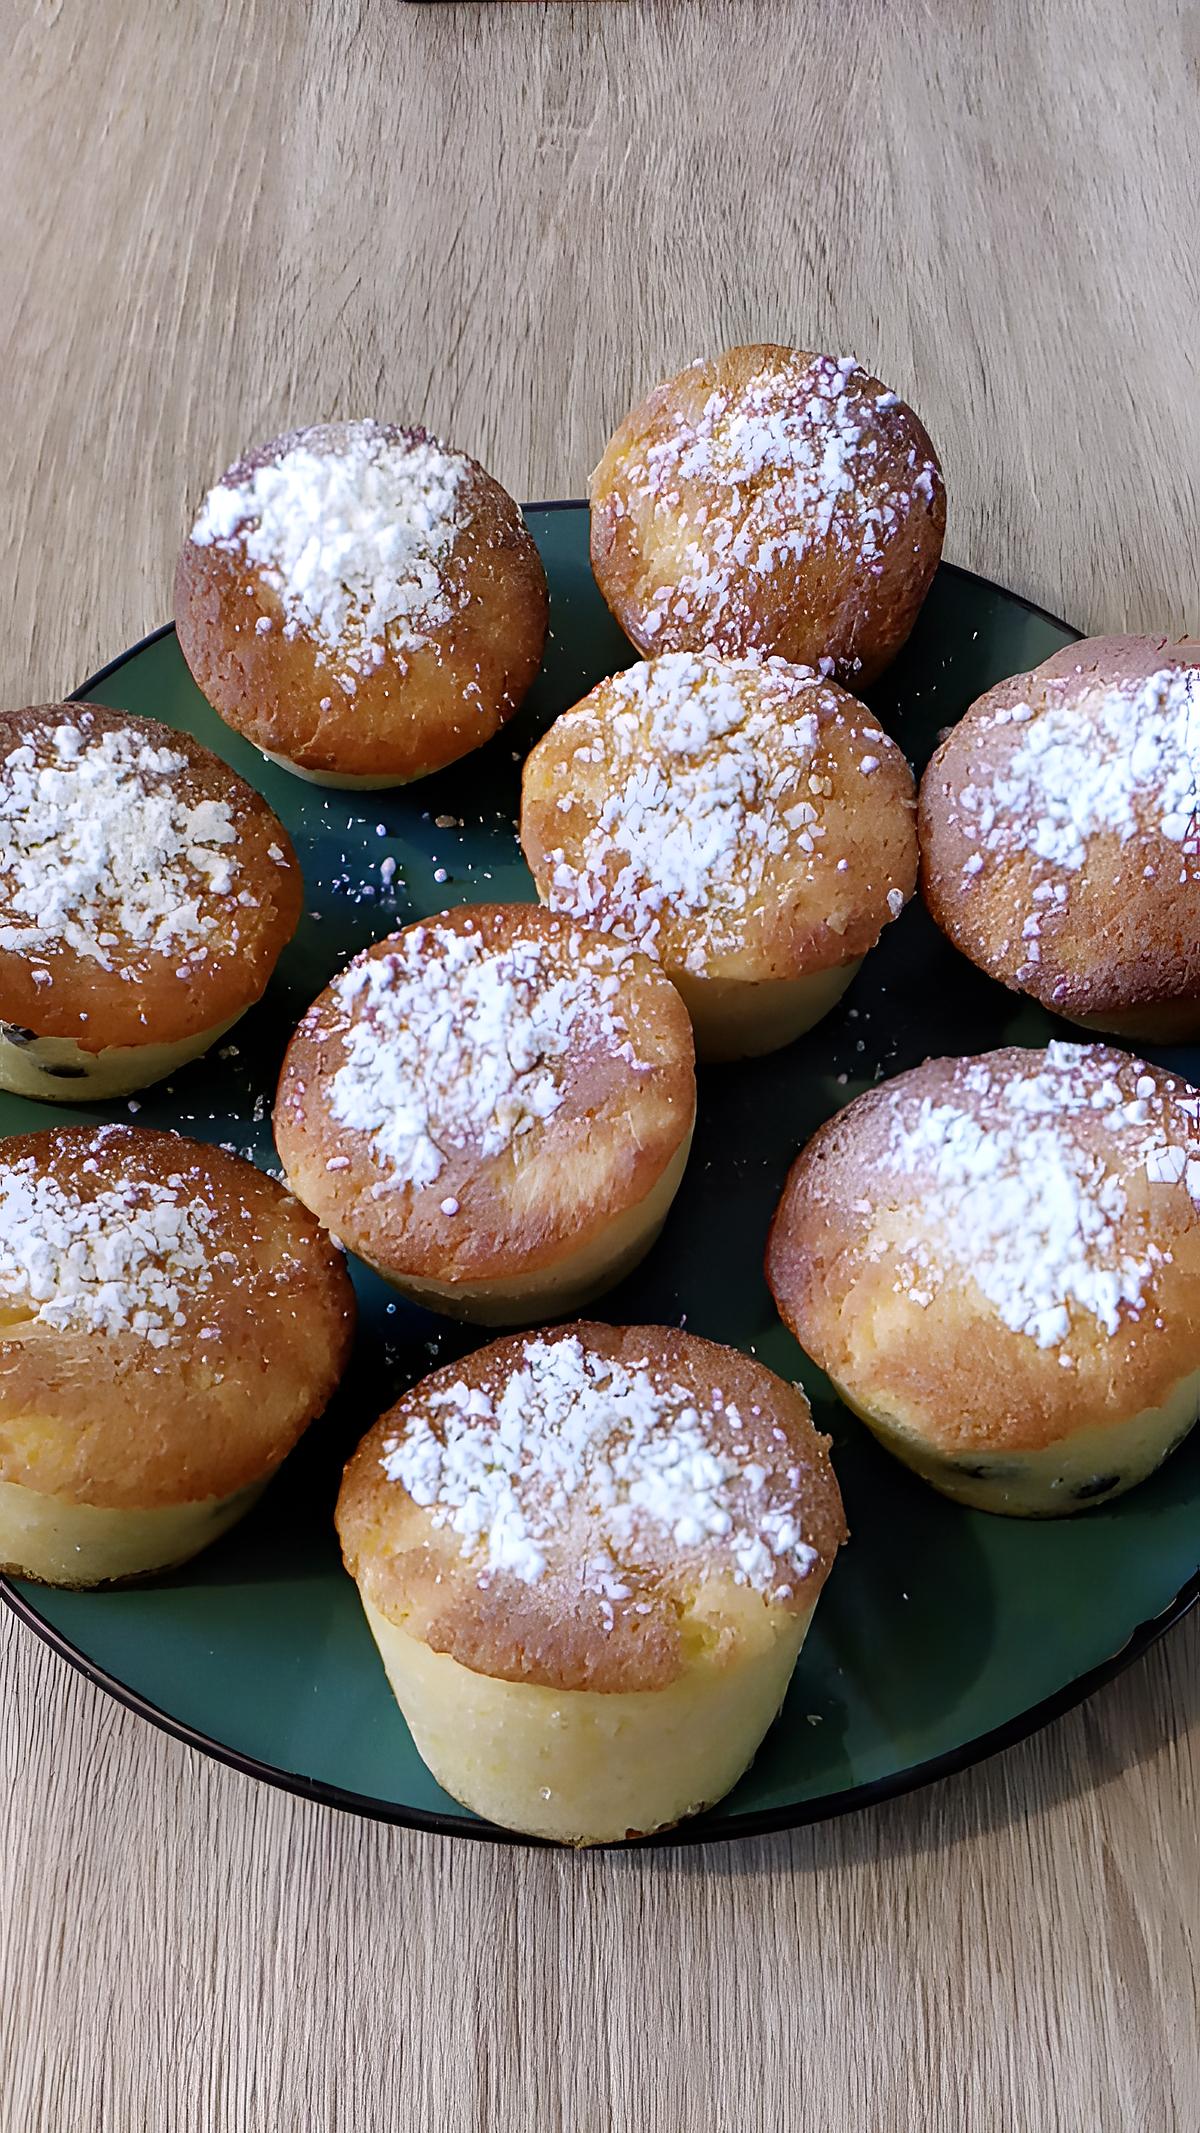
[[943, 1633]]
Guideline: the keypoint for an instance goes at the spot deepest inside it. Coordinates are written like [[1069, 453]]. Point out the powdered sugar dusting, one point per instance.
[[99, 848], [1032, 1174], [122, 1259], [452, 1044], [350, 527], [792, 463], [1124, 762], [713, 777], [575, 1436]]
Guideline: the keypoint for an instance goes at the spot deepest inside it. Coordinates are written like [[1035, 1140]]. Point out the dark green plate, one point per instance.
[[944, 1634]]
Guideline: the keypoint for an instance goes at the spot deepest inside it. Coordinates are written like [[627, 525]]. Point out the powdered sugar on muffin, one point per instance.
[[717, 785], [451, 1043], [773, 500], [1035, 1183], [350, 527], [1123, 763], [102, 849], [574, 1438], [121, 1258], [788, 464]]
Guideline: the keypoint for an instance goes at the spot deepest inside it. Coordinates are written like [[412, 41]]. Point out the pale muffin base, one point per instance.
[[57, 1542], [55, 1070], [1078, 1473], [576, 1765], [341, 780], [734, 1018], [555, 1291]]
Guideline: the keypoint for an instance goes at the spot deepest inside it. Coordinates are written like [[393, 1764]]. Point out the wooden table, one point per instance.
[[221, 216]]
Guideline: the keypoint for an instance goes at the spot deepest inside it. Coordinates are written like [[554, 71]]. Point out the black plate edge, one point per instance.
[[767, 1821]]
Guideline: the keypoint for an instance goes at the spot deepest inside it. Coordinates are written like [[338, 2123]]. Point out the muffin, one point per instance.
[[493, 1108], [1060, 836], [364, 604], [170, 1323], [589, 1559], [752, 827], [770, 501], [997, 1262], [146, 894]]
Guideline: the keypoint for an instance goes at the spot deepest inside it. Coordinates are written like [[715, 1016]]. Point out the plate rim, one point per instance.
[[825, 1807], [763, 1822]]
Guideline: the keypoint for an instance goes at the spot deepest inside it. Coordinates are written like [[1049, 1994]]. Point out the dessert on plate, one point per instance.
[[996, 1260], [146, 894], [493, 1108], [772, 500], [171, 1320], [589, 1558], [750, 825], [363, 603], [1060, 836]]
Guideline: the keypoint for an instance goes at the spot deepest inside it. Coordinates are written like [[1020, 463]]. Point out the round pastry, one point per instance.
[[751, 826], [1060, 835], [997, 1262], [146, 894], [170, 1323], [589, 1559], [362, 603], [771, 501], [493, 1109]]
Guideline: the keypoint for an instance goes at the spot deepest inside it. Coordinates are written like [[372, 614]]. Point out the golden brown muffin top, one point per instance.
[[1060, 828], [351, 526], [170, 1318], [999, 1250], [485, 1090], [362, 600], [772, 499], [591, 1506], [146, 891], [735, 817]]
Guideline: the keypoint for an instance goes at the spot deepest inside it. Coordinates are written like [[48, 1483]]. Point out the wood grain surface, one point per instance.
[[222, 216]]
